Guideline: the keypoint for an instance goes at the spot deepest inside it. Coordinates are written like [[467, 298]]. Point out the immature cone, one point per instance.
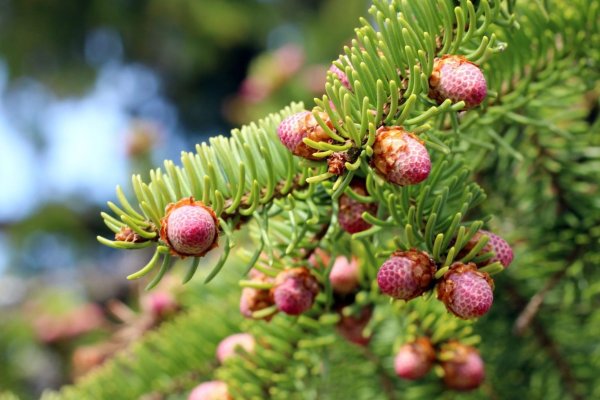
[[501, 249], [319, 258], [256, 299], [189, 228], [463, 367], [466, 292], [457, 79], [302, 125], [400, 156], [295, 291], [211, 390], [229, 346], [344, 275], [341, 75], [351, 327], [160, 304], [350, 211], [406, 274], [415, 359]]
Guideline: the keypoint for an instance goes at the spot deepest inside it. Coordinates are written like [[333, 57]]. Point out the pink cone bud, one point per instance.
[[256, 299], [351, 327], [341, 75], [466, 292], [457, 79], [406, 274], [415, 359], [229, 346], [189, 228], [344, 276], [499, 246], [295, 291], [159, 304], [463, 367], [350, 210], [211, 390], [400, 156], [302, 125], [501, 249]]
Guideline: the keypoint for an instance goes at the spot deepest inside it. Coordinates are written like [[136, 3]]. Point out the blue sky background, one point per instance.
[[53, 149]]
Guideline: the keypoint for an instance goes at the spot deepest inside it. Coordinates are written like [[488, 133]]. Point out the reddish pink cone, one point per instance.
[[319, 259], [341, 75], [457, 79], [500, 247], [302, 125], [211, 390], [229, 346], [400, 156], [350, 210], [159, 304], [351, 327], [463, 367], [344, 276], [189, 228], [256, 299], [295, 291], [406, 274], [415, 359], [466, 292]]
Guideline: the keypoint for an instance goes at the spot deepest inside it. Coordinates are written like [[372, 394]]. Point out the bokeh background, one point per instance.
[[92, 91]]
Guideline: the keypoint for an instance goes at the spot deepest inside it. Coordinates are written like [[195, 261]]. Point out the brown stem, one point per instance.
[[551, 348], [533, 306]]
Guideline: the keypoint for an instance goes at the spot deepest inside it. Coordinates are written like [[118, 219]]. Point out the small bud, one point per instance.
[[228, 347], [463, 367], [341, 75], [415, 359], [406, 274], [466, 292], [457, 79], [501, 249], [189, 228], [351, 327], [350, 210], [344, 276], [159, 304], [211, 390], [400, 156], [295, 291], [253, 299], [302, 125]]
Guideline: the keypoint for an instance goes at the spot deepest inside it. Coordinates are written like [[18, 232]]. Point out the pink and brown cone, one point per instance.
[[211, 390], [463, 367], [400, 156], [230, 346], [415, 359], [406, 274], [466, 292], [302, 125], [350, 210], [344, 276], [352, 327], [341, 75], [502, 251], [253, 299], [295, 291], [457, 79], [160, 304], [189, 228]]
